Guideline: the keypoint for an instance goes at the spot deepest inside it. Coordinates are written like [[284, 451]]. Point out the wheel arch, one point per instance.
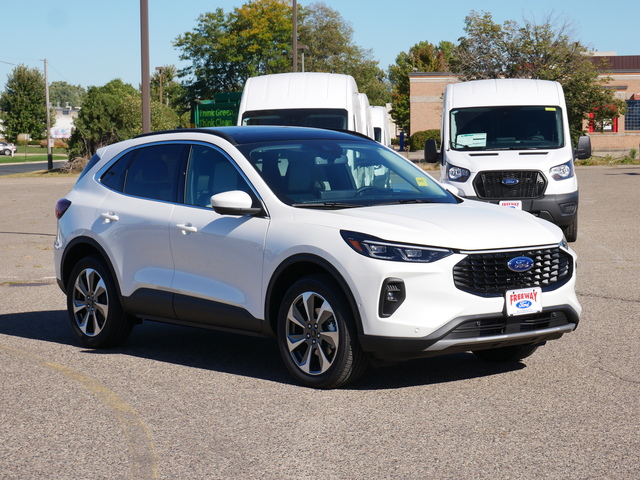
[[78, 249], [294, 268]]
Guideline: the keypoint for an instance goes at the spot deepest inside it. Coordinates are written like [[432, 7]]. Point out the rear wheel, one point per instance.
[[94, 308], [316, 334], [506, 354]]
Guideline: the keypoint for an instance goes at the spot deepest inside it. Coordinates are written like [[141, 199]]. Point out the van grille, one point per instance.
[[515, 184], [487, 274]]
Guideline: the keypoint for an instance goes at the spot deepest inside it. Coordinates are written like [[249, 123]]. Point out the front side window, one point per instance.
[[506, 128], [210, 172], [341, 174]]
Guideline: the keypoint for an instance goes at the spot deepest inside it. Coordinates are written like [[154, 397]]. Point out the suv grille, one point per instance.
[[487, 274], [525, 184]]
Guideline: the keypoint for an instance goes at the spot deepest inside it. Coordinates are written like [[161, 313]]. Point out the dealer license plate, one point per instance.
[[524, 301], [517, 204]]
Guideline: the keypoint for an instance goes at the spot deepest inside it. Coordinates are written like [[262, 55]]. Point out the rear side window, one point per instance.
[[149, 172], [114, 177], [92, 161]]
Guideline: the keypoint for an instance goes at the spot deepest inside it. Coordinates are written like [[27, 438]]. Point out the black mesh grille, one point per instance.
[[510, 184], [487, 274]]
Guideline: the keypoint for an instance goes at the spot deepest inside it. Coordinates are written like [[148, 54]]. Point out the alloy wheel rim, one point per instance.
[[312, 333], [90, 302]]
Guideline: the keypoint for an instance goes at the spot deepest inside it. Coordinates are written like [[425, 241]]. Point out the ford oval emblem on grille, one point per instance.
[[520, 264], [510, 181]]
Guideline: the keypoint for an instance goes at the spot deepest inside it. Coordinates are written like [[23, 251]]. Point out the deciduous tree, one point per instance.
[[547, 51], [225, 49], [23, 104], [422, 57]]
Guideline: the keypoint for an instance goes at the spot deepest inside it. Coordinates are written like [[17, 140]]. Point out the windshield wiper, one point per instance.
[[328, 205]]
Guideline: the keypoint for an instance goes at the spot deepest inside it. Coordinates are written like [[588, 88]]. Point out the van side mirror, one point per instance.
[[584, 148], [431, 154]]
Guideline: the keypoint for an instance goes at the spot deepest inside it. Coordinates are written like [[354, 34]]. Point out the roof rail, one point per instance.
[[210, 131]]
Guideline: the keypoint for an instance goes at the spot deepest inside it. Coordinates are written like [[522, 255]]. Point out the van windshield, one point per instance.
[[332, 118], [506, 128]]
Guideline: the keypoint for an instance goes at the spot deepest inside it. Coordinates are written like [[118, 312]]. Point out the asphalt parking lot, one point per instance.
[[179, 403]]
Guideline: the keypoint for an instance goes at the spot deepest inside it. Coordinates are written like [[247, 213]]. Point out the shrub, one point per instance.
[[417, 140], [74, 166]]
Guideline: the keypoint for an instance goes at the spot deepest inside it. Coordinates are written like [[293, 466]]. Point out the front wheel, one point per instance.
[[316, 334], [506, 354], [94, 308], [571, 230]]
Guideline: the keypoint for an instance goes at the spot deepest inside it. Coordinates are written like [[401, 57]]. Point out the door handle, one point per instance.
[[109, 217], [186, 228]]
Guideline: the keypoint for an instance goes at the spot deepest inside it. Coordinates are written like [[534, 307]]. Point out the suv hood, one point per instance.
[[469, 225]]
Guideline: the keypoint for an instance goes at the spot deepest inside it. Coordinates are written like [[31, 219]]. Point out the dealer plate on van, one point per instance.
[[517, 204], [524, 301]]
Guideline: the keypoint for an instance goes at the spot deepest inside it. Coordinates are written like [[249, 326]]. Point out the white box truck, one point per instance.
[[311, 99], [507, 141]]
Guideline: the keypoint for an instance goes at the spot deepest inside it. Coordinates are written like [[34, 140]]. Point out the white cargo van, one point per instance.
[[311, 99], [381, 125], [507, 141]]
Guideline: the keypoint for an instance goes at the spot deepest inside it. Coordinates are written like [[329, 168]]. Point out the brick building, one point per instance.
[[615, 138]]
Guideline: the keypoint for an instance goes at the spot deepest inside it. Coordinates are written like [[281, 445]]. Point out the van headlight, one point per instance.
[[373, 247], [457, 174], [562, 172]]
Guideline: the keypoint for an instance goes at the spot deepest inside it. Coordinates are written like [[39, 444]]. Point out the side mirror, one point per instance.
[[431, 154], [584, 148], [235, 202]]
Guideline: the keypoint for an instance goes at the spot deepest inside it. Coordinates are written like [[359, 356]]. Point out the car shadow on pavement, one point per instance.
[[242, 355]]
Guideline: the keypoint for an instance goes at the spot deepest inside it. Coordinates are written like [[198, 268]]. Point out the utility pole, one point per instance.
[[146, 80], [295, 35], [46, 94]]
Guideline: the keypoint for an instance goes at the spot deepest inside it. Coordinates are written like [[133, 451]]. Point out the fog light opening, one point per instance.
[[391, 296]]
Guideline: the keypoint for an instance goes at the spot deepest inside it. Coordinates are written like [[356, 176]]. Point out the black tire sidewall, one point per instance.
[[340, 371], [116, 328]]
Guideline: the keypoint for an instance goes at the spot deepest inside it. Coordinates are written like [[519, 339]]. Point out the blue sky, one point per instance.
[[90, 43]]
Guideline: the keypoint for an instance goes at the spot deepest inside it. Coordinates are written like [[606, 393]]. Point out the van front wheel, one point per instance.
[[571, 230]]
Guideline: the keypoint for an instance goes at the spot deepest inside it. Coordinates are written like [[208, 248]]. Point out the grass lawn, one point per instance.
[[33, 154]]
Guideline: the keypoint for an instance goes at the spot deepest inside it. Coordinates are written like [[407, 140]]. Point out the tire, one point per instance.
[[6, 152], [316, 335], [571, 230], [94, 308], [506, 354]]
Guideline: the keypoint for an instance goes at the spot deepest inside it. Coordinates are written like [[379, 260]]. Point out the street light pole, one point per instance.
[[146, 80], [295, 36], [46, 95]]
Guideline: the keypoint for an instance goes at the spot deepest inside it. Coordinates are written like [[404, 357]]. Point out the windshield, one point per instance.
[[333, 118], [341, 174], [510, 128]]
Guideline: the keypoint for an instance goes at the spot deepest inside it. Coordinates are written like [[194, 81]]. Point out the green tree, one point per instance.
[[226, 49], [63, 93], [546, 51], [422, 57], [256, 39], [112, 113], [330, 48], [22, 104]]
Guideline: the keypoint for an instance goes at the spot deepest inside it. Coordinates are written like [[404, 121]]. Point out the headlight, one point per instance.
[[457, 174], [562, 172], [373, 247]]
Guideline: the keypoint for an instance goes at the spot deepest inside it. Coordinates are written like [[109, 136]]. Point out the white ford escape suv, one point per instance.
[[336, 245]]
